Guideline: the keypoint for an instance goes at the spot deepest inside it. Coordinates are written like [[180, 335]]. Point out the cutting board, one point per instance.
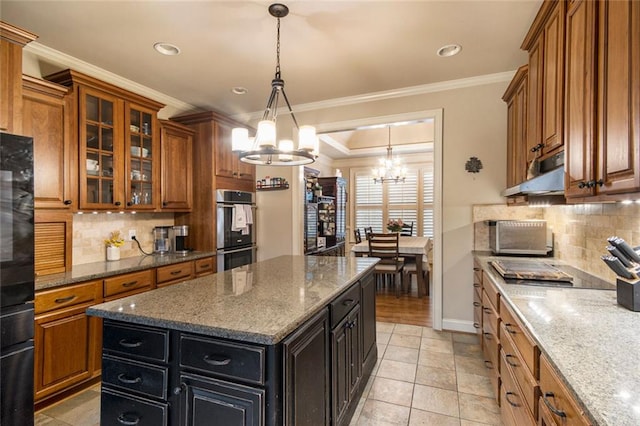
[[518, 270]]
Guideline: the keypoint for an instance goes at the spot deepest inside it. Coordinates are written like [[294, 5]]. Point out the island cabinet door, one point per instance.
[[346, 357], [306, 373], [368, 306], [208, 402]]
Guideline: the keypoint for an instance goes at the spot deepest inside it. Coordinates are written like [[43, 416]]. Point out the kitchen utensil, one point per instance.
[[617, 267], [625, 248], [617, 253]]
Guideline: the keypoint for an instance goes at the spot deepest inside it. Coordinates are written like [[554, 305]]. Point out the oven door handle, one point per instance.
[[230, 206], [222, 252]]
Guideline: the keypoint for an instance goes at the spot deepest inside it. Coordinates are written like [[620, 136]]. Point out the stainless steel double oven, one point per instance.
[[236, 236]]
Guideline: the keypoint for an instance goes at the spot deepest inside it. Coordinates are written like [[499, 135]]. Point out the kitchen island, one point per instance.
[[290, 340], [586, 339]]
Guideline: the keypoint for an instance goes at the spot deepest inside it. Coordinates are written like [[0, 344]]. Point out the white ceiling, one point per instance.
[[330, 49]]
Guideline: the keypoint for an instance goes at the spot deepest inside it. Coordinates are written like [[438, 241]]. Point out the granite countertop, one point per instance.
[[97, 270], [261, 303], [591, 340]]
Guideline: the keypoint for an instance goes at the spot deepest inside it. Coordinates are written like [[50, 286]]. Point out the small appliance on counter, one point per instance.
[[522, 237], [178, 240], [161, 240]]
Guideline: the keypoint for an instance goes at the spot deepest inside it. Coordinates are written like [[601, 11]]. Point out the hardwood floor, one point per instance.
[[406, 309]]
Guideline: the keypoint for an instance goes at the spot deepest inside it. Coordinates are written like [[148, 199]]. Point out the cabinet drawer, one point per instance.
[[203, 266], [512, 400], [171, 273], [135, 376], [521, 373], [142, 342], [523, 342], [119, 409], [477, 277], [490, 318], [341, 306], [49, 300], [491, 352], [225, 359], [557, 398], [128, 282], [492, 291]]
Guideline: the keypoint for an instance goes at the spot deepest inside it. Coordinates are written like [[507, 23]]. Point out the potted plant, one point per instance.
[[394, 225], [113, 244]]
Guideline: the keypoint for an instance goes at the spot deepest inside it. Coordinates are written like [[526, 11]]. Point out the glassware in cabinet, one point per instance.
[[141, 164]]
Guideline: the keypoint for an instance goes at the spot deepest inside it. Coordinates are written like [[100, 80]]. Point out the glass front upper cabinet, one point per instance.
[[100, 151], [142, 158]]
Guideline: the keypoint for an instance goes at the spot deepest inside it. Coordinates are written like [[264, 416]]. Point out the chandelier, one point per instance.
[[390, 169], [261, 149]]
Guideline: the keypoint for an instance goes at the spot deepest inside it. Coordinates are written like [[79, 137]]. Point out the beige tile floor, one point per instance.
[[423, 377]]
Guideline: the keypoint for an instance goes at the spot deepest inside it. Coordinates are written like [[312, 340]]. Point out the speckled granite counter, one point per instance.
[[592, 341], [92, 271], [261, 303]]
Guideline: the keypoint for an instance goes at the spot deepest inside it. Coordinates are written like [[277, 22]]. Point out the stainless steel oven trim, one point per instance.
[[220, 254], [222, 251], [220, 225]]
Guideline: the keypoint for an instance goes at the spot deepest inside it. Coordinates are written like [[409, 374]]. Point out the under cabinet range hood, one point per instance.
[[550, 181]]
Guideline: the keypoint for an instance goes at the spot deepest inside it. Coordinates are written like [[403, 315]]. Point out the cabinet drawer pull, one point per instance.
[[128, 380], [476, 269], [65, 299], [129, 284], [348, 302], [553, 409], [129, 344], [206, 265], [488, 364], [476, 325], [476, 285], [488, 336], [477, 304], [507, 356], [487, 310], [212, 360], [129, 419], [507, 325], [176, 272], [507, 395]]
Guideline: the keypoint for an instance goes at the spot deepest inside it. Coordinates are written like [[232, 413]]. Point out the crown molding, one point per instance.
[[68, 61], [389, 94]]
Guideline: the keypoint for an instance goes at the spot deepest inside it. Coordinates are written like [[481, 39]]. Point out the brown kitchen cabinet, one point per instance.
[[46, 117], [176, 147], [603, 106], [545, 44], [128, 284], [205, 266], [118, 144], [53, 241], [227, 162], [12, 40], [67, 342], [517, 153], [173, 274]]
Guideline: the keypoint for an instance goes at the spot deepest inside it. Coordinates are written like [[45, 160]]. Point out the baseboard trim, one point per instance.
[[458, 325]]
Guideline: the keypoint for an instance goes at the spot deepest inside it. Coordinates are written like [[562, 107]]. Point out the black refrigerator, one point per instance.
[[16, 280]]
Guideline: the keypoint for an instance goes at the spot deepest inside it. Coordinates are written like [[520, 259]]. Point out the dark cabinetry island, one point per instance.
[[287, 341]]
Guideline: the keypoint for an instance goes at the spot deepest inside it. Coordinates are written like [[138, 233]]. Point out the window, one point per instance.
[[411, 201]]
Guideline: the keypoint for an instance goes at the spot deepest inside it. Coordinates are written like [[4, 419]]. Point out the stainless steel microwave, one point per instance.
[[525, 237]]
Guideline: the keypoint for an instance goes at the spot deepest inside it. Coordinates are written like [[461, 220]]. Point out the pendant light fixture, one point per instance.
[[390, 169], [261, 149]]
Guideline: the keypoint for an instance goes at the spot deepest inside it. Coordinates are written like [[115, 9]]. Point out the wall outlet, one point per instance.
[[132, 233]]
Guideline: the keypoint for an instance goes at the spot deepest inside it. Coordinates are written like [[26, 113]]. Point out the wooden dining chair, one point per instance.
[[368, 230], [385, 247], [407, 230], [411, 269], [357, 235]]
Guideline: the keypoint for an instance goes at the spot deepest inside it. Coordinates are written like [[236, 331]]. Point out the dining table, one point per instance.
[[417, 247]]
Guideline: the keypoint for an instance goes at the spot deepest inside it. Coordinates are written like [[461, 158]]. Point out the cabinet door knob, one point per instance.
[[67, 202], [582, 185], [118, 203]]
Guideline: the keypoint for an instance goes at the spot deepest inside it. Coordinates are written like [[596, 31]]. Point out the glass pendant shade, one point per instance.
[[240, 139], [286, 145], [266, 134]]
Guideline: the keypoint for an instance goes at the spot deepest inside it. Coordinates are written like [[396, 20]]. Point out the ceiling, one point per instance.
[[329, 49]]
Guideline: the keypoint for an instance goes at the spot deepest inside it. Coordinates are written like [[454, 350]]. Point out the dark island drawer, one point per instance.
[[118, 409], [226, 359], [142, 342], [344, 303], [135, 376]]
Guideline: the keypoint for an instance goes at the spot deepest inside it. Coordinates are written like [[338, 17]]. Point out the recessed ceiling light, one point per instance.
[[449, 50], [239, 90], [166, 48]]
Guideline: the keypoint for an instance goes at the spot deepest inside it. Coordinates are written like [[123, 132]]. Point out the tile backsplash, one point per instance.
[[580, 231], [90, 231]]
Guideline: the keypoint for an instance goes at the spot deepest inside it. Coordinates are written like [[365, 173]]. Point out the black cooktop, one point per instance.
[[571, 277]]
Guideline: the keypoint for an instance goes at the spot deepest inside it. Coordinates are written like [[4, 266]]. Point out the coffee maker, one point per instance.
[[178, 240], [161, 241]]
